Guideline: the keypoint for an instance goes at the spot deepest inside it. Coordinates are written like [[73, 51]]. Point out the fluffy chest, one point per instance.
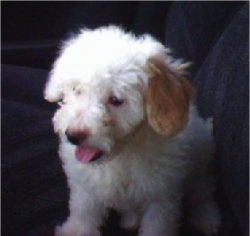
[[128, 180]]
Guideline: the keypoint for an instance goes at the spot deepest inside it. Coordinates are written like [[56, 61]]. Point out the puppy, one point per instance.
[[130, 136]]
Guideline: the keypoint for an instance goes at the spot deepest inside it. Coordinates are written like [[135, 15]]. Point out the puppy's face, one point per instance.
[[94, 114], [105, 92]]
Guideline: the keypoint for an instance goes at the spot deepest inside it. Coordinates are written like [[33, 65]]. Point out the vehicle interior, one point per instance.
[[213, 35]]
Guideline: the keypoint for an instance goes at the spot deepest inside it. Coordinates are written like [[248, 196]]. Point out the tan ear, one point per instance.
[[168, 97]]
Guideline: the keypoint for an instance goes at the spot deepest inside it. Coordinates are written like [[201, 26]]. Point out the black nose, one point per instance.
[[73, 139]]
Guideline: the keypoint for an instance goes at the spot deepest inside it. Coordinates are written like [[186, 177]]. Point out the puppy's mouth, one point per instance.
[[87, 154]]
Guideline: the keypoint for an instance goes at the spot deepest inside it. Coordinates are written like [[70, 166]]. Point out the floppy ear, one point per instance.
[[168, 97]]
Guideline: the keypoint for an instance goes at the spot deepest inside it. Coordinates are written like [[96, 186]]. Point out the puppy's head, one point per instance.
[[108, 83]]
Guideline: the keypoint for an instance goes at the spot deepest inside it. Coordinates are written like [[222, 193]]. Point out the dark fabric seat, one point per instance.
[[214, 35]]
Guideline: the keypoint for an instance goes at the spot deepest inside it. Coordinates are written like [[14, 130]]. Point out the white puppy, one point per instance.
[[130, 137]]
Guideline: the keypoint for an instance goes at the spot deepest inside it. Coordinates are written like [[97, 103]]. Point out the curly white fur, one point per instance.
[[142, 174]]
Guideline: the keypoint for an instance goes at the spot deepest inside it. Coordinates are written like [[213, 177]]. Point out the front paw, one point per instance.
[[130, 220], [73, 227]]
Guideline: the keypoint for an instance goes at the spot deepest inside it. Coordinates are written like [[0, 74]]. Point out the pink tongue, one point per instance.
[[85, 154]]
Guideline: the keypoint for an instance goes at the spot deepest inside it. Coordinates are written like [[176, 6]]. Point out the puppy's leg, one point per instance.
[[85, 216], [74, 226], [203, 210], [161, 219]]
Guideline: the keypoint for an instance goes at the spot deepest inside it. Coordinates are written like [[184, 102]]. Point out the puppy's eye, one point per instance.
[[114, 101], [77, 91]]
